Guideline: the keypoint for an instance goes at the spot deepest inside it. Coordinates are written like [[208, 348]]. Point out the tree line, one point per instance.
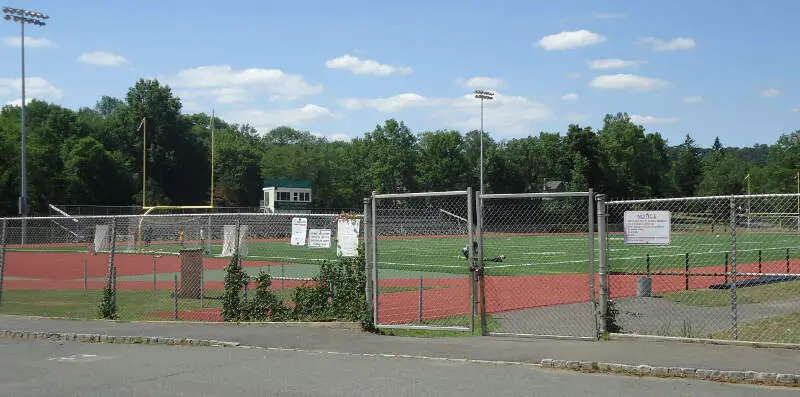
[[93, 156]]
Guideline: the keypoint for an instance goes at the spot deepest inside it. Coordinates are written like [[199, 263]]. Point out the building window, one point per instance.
[[305, 196], [283, 196]]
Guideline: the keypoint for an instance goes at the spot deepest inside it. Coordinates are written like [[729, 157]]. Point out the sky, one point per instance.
[[705, 68]]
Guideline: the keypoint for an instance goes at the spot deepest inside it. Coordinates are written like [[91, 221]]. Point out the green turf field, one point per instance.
[[430, 257]]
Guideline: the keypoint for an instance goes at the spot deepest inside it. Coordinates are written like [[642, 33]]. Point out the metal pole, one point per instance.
[[481, 184], [367, 255], [420, 300], [3, 237], [473, 274], [481, 268], [603, 264], [24, 135], [175, 295], [375, 283], [686, 272], [85, 275], [734, 308], [592, 291]]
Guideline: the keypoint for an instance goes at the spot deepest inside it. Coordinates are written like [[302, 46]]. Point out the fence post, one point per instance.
[[3, 238], [592, 290], [420, 299], [602, 233], [375, 284], [175, 295], [471, 204], [726, 267], [734, 308], [759, 261], [788, 267], [473, 270], [367, 257], [686, 272], [112, 277]]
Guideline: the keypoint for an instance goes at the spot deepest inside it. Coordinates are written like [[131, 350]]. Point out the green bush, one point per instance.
[[336, 293], [265, 304], [233, 304], [108, 307]]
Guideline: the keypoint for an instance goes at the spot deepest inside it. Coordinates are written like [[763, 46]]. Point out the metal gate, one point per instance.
[[420, 276], [539, 264]]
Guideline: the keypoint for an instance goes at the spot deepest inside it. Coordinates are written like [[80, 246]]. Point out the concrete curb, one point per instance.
[[306, 324], [750, 377], [100, 338]]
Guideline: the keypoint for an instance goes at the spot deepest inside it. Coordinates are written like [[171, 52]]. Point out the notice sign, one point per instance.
[[319, 238], [299, 228], [648, 227], [347, 237]]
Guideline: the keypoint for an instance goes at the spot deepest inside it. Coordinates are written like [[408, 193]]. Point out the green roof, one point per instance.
[[295, 183]]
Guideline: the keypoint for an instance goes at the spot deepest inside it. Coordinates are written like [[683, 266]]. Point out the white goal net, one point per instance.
[[229, 240]]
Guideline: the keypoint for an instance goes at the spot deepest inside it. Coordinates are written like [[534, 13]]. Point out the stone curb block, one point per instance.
[[767, 378], [98, 338]]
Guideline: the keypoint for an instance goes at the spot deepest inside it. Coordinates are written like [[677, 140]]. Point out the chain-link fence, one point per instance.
[[539, 263], [706, 267], [420, 260], [59, 266]]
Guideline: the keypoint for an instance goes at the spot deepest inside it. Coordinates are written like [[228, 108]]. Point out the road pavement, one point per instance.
[[45, 368]]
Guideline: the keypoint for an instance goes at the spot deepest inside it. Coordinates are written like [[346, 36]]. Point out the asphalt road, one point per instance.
[[43, 368]]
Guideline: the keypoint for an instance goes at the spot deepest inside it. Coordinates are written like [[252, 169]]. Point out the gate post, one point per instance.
[[602, 236], [374, 255], [592, 291], [367, 255]]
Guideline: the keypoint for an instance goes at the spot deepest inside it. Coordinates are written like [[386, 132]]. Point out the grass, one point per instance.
[[131, 305], [491, 324], [779, 329], [744, 295]]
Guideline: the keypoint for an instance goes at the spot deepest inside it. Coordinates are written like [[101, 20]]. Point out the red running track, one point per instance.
[[442, 298]]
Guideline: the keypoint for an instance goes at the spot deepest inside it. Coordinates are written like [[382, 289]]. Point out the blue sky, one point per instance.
[[707, 68]]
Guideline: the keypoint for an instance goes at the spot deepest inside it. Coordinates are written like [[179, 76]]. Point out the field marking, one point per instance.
[[545, 253]]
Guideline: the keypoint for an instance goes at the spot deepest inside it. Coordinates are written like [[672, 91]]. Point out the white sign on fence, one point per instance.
[[319, 238], [648, 227], [347, 237], [299, 229]]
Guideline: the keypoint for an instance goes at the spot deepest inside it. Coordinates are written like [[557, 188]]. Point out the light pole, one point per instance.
[[33, 18], [481, 94]]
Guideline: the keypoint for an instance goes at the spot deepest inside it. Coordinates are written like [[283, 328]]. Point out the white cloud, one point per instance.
[[509, 114], [227, 85], [570, 40], [795, 110], [486, 83], [770, 92], [614, 63], [357, 65], [35, 88], [30, 42], [627, 82], [608, 15], [573, 75], [570, 97], [639, 119], [266, 119], [101, 58], [694, 99], [678, 43]]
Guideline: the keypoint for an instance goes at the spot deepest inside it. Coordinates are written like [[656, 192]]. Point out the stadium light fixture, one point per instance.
[[24, 17], [482, 95]]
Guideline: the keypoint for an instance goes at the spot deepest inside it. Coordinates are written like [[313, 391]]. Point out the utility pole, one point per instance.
[[38, 19], [482, 95]]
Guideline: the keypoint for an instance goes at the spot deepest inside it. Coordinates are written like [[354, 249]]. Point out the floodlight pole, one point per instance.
[[481, 94], [33, 18]]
